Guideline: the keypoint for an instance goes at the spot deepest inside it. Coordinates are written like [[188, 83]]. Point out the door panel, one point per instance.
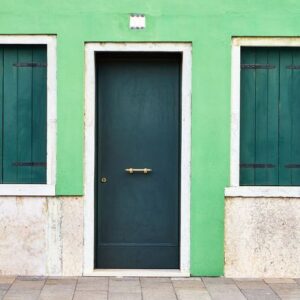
[[138, 126]]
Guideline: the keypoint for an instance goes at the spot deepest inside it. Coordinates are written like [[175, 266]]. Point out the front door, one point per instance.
[[137, 173]]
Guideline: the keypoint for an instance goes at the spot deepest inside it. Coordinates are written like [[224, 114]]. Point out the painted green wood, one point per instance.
[[261, 116], [295, 94], [24, 114], [277, 110], [137, 215], [272, 117], [24, 104], [1, 113], [39, 115], [247, 117], [285, 117], [10, 116]]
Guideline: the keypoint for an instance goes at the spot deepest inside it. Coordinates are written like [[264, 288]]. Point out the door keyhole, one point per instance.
[[103, 179]]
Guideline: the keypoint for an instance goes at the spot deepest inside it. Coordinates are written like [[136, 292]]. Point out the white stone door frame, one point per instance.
[[89, 154]]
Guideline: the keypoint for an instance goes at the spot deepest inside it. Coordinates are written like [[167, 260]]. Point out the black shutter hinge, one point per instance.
[[30, 65], [257, 66]]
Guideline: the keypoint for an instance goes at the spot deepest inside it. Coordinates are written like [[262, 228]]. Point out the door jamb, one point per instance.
[[89, 155]]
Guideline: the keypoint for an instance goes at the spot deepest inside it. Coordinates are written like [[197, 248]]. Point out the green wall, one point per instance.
[[209, 25]]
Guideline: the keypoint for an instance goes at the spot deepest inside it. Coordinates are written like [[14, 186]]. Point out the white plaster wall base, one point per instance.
[[262, 237], [54, 237], [41, 236], [23, 226], [72, 236]]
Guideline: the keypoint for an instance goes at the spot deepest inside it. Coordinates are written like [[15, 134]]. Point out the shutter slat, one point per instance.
[[272, 116], [10, 143], [285, 117], [295, 156], [1, 114], [247, 128], [261, 117], [24, 114], [39, 113]]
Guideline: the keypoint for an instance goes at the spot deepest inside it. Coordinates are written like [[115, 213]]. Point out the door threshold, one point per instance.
[[138, 273]]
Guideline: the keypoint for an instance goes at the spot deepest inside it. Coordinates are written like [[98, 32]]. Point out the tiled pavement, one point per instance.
[[102, 288]]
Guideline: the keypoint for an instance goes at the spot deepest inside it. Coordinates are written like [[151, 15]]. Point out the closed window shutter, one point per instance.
[[270, 116], [23, 96], [289, 117]]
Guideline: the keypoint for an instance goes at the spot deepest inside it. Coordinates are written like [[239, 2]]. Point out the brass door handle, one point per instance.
[[132, 170]]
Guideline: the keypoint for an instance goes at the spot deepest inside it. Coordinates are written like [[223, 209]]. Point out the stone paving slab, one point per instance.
[[124, 296], [134, 288], [124, 285], [25, 284], [158, 294], [92, 284], [56, 288], [287, 291], [217, 280], [256, 285], [260, 294], [91, 295], [225, 292], [279, 280], [22, 295], [192, 294], [187, 283]]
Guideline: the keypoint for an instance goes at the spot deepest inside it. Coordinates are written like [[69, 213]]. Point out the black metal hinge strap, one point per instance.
[[29, 164], [30, 65], [293, 67], [292, 166], [257, 166], [257, 66]]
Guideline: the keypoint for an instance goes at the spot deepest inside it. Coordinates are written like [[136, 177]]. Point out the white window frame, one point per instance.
[[47, 189], [89, 158], [235, 190]]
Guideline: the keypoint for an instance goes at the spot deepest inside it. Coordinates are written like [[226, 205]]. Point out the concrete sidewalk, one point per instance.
[[102, 288]]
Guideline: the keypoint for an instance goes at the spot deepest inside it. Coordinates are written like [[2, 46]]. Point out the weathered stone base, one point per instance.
[[44, 236], [41, 236], [262, 237]]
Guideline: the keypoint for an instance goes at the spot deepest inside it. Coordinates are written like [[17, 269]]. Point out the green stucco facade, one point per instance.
[[209, 26]]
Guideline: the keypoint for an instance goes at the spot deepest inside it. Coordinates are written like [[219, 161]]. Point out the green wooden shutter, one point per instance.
[[289, 117], [295, 135], [23, 111], [270, 116]]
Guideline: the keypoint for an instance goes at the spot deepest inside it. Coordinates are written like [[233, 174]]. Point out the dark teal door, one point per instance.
[[138, 126]]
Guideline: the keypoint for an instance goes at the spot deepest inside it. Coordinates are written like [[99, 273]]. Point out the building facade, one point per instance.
[[154, 138]]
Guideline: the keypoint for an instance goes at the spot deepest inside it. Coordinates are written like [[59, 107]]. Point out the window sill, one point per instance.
[[263, 191], [27, 190]]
